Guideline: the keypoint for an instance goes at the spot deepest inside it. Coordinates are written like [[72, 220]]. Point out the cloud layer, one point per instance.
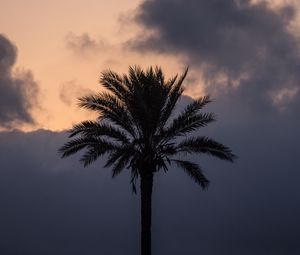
[[246, 48], [18, 90], [54, 206]]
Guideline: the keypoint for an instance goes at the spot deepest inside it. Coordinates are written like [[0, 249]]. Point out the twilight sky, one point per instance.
[[55, 51], [245, 53]]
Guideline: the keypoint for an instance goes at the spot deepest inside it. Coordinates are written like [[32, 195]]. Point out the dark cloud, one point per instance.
[[55, 206], [18, 90], [237, 44]]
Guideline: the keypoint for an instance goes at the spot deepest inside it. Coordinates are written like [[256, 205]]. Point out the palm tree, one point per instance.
[[138, 131]]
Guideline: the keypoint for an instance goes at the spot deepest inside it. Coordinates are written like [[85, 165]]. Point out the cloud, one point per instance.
[[246, 48], [18, 89], [71, 90], [54, 206], [83, 45]]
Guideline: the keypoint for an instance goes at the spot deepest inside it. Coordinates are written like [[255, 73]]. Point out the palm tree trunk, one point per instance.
[[146, 195]]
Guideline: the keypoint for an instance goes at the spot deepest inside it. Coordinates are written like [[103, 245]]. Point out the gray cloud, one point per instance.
[[246, 48], [83, 45], [71, 90], [54, 206], [18, 90]]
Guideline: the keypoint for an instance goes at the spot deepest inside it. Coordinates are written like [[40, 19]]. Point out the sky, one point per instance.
[[246, 54]]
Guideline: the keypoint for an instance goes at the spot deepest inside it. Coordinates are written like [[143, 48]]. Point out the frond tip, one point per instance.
[[208, 146], [95, 148], [194, 171]]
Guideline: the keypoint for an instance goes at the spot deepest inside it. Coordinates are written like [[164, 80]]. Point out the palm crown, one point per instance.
[[137, 129]]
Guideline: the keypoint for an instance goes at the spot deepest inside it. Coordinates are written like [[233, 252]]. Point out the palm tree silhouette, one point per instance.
[[138, 131]]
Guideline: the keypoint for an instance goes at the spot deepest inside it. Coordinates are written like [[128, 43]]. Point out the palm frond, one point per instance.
[[109, 108], [119, 152], [189, 120], [160, 163], [187, 123], [175, 91], [168, 149], [100, 147], [91, 155], [114, 83], [192, 108], [148, 97], [94, 128], [134, 176], [159, 75], [207, 146], [100, 101], [194, 171], [120, 164], [135, 103], [75, 145], [135, 74]]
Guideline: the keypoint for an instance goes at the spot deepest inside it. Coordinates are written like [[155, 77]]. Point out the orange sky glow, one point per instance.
[[66, 44], [42, 31]]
